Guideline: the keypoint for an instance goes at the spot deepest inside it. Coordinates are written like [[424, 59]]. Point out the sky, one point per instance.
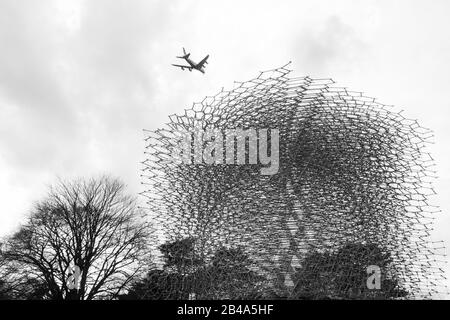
[[79, 80]]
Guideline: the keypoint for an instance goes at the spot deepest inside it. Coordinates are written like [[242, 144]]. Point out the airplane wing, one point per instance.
[[202, 63], [182, 67]]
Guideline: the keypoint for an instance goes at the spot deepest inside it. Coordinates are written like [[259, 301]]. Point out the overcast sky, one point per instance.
[[79, 80]]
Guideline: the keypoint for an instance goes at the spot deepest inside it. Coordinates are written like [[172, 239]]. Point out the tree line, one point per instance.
[[88, 239]]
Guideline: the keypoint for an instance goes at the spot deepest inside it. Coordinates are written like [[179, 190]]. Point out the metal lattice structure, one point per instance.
[[353, 173]]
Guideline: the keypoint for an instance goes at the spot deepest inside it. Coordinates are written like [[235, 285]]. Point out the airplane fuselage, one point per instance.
[[194, 65]]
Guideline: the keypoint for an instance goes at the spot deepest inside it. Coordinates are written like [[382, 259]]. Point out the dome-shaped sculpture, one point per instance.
[[350, 193]]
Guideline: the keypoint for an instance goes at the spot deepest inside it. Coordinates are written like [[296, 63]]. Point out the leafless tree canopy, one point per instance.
[[88, 223]]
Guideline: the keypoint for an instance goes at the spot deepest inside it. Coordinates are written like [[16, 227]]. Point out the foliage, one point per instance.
[[343, 274], [185, 274]]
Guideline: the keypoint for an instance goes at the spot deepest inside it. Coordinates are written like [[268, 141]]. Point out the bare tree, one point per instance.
[[86, 224]]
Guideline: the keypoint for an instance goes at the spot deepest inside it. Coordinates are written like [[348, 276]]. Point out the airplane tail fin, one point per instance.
[[185, 55]]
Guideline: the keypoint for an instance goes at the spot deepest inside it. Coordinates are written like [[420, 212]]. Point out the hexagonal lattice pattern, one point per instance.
[[352, 173]]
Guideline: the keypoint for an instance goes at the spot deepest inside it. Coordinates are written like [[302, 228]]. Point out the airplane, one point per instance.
[[192, 65]]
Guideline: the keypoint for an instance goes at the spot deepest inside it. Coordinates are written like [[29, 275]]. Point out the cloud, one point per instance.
[[77, 84], [34, 105], [64, 86], [331, 44]]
